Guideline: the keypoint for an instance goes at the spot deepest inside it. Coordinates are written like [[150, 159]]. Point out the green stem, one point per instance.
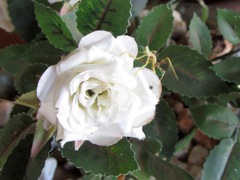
[[204, 10]]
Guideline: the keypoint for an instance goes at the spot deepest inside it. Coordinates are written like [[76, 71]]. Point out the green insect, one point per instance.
[[152, 59]]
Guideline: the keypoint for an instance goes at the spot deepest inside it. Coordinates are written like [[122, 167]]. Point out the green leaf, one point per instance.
[[232, 97], [109, 15], [42, 52], [156, 28], [225, 98], [223, 162], [193, 102], [185, 141], [36, 164], [19, 109], [23, 18], [159, 168], [164, 128], [11, 59], [200, 36], [237, 24], [15, 166], [98, 177], [29, 99], [215, 120], [226, 23], [54, 28], [16, 57], [156, 167], [194, 77], [143, 149], [27, 79], [12, 133], [111, 160], [228, 69]]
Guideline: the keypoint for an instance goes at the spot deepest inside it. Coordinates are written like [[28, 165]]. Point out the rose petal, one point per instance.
[[74, 119], [5, 111], [110, 135], [136, 133], [80, 59], [153, 81], [149, 90], [144, 116], [123, 46], [5, 20], [106, 136], [67, 136], [122, 77], [129, 44], [131, 108], [100, 39], [77, 112], [85, 76], [149, 86], [74, 59], [47, 84], [64, 117], [63, 94], [127, 50], [46, 89], [60, 132], [47, 112], [78, 144]]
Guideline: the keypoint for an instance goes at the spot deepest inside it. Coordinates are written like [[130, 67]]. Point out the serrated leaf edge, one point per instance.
[[73, 41], [19, 74], [229, 10], [183, 94], [86, 171], [17, 142], [203, 25], [152, 11], [212, 152], [197, 124]]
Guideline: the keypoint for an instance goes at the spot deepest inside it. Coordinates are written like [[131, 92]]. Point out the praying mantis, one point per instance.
[[152, 59]]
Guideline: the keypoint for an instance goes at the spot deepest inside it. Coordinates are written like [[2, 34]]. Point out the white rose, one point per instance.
[[5, 20], [95, 94]]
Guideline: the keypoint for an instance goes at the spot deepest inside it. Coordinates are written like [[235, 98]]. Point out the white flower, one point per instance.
[[95, 94], [5, 20]]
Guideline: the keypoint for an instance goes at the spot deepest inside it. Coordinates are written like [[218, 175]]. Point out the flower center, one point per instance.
[[90, 92], [97, 99]]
